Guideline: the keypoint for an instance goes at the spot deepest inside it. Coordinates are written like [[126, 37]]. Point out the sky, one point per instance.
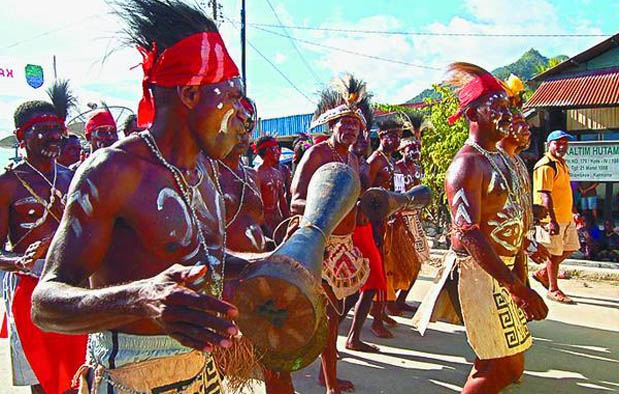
[[84, 37]]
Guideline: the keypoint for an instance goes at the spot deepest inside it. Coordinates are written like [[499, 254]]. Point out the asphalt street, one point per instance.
[[575, 350]]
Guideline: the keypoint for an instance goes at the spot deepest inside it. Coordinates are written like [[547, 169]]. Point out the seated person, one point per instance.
[[610, 243]]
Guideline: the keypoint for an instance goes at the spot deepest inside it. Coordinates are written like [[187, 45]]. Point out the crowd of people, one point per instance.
[[120, 265]]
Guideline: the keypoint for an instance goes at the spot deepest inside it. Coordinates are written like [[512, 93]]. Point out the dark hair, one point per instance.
[[390, 123], [127, 123], [262, 139], [164, 22], [65, 139], [26, 110]]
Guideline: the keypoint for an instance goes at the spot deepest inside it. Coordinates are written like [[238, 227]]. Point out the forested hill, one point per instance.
[[526, 67]]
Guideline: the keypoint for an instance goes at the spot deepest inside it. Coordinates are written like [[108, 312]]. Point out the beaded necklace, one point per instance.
[[216, 268], [336, 154]]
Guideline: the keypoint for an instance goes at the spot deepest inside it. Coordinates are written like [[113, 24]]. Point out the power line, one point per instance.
[[307, 65], [49, 32], [413, 33], [351, 52], [274, 66]]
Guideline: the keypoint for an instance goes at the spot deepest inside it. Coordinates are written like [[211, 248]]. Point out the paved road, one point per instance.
[[576, 350]]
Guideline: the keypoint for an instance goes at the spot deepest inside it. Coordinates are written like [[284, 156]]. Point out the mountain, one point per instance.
[[525, 67]]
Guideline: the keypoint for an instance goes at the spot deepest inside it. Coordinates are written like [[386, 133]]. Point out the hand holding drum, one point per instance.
[[281, 309], [378, 203]]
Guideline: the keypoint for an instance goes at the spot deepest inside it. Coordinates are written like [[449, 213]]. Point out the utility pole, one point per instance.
[[243, 49]]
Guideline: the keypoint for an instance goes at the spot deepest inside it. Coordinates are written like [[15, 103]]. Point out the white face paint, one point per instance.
[[40, 136], [462, 204], [167, 193], [217, 91], [223, 128], [220, 105]]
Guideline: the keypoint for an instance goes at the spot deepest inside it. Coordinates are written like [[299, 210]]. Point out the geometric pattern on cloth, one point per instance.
[[495, 326], [344, 267]]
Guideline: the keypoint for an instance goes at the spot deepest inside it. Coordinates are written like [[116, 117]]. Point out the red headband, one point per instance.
[[100, 118], [478, 87], [198, 59], [19, 133], [264, 145]]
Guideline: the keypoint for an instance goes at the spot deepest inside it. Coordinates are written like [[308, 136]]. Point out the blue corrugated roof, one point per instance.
[[287, 126]]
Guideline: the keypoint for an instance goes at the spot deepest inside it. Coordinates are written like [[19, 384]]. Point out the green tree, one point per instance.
[[440, 144]]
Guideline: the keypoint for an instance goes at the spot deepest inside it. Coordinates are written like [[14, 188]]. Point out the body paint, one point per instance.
[[167, 193]]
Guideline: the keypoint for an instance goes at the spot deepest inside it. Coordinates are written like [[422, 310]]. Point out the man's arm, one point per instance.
[[63, 303], [463, 184], [283, 197], [543, 181], [9, 261], [307, 166]]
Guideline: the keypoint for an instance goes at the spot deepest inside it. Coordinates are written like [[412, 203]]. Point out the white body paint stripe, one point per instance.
[[167, 193]]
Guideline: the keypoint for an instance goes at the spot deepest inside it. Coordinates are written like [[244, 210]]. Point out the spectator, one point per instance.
[[590, 238], [610, 243], [588, 198], [551, 186]]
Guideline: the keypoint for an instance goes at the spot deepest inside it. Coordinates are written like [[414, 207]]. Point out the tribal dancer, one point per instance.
[[494, 303], [381, 174], [244, 222], [70, 150], [344, 268], [518, 139], [33, 196], [100, 130], [363, 238], [272, 182], [244, 206], [409, 173], [144, 225]]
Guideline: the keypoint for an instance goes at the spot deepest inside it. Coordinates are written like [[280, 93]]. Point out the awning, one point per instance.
[[588, 90]]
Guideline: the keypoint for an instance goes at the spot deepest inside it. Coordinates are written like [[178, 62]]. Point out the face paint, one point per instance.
[[217, 91], [167, 193], [40, 136], [220, 106], [223, 128]]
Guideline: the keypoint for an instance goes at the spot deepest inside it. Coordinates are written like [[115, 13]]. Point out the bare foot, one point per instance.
[[342, 385], [360, 346], [380, 331]]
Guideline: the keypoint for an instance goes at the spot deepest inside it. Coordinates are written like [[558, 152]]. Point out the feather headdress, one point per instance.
[[346, 96], [62, 97], [471, 82]]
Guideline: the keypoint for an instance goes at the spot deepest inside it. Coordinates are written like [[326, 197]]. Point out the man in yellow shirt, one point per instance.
[[551, 185]]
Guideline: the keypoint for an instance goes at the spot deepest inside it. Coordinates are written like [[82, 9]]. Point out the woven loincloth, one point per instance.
[[344, 267], [402, 263], [495, 326], [160, 366], [419, 235]]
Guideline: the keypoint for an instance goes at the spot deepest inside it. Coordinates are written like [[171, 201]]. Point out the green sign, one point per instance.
[[593, 161]]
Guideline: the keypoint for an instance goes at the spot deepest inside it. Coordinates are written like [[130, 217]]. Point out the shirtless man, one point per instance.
[[100, 131], [272, 183], [138, 260], [32, 199], [244, 222], [363, 238], [381, 174], [410, 172], [518, 139], [344, 268], [487, 236], [70, 150]]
